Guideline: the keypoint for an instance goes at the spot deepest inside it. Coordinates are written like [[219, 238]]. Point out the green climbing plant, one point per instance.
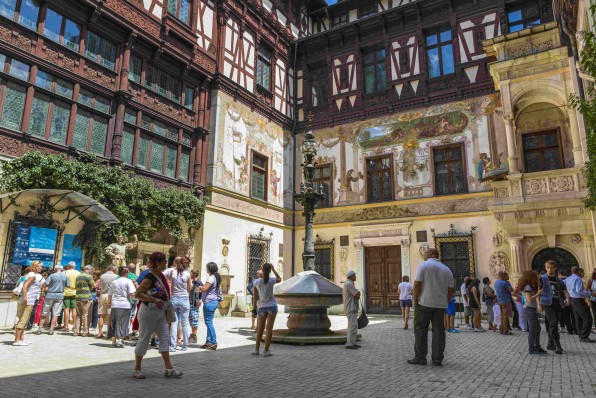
[[587, 107], [141, 208]]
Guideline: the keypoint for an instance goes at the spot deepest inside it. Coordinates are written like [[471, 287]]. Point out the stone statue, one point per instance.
[[117, 250]]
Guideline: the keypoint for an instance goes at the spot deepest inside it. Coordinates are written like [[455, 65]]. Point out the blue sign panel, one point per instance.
[[70, 252], [35, 244]]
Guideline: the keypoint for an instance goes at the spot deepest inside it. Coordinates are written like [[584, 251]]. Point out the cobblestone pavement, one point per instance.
[[476, 365]]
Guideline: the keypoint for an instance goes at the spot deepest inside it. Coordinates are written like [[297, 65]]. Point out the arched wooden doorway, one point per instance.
[[564, 259]]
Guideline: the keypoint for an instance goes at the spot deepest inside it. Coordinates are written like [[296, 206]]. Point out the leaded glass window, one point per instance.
[[379, 179], [157, 150], [39, 115], [62, 30], [12, 112], [160, 128], [130, 116], [134, 73], [81, 130], [127, 146], [162, 83], [59, 122], [86, 98], [98, 135], [171, 155], [53, 84], [184, 165], [323, 261], [143, 156], [450, 175], [100, 50], [90, 133], [189, 96]]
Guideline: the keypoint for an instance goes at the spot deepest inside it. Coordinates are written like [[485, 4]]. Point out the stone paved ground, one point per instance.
[[476, 365]]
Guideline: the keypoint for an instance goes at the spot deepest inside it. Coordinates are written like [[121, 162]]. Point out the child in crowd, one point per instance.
[[450, 316]]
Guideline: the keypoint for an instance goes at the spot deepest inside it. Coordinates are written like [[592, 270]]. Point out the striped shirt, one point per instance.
[[84, 287]]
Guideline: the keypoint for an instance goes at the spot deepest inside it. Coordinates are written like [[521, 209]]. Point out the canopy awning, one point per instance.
[[73, 204]]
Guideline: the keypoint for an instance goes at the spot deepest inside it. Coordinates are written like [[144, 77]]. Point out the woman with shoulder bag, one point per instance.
[[153, 294], [210, 298], [29, 295]]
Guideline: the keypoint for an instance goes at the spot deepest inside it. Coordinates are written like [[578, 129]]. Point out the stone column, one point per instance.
[[590, 253], [405, 257], [517, 256], [578, 156], [359, 263], [512, 155], [343, 187]]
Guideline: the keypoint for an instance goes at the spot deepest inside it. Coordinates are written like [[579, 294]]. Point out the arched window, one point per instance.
[[564, 259]]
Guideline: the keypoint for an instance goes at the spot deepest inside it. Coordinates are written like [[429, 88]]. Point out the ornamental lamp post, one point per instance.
[[308, 197]]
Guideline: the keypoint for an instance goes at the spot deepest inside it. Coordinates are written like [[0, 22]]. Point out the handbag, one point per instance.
[[18, 289], [170, 313], [362, 319]]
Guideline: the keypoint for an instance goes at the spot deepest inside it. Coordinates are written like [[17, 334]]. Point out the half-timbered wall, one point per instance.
[[206, 25], [239, 56]]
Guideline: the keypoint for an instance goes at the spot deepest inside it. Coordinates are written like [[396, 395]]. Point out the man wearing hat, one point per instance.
[[54, 288], [351, 295]]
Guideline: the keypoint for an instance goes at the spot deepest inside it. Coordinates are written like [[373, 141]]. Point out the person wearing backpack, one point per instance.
[[489, 297]]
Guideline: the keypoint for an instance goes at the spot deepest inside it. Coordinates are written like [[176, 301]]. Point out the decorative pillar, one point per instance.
[[343, 263], [590, 253], [359, 257], [405, 257], [122, 97], [512, 157], [578, 156], [343, 185], [517, 255]]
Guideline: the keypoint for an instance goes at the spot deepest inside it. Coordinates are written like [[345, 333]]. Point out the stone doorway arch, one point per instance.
[[564, 259]]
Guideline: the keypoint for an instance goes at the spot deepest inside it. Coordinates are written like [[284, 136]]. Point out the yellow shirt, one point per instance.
[[71, 274]]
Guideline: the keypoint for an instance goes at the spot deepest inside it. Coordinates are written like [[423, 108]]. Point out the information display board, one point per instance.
[[35, 244], [71, 252]]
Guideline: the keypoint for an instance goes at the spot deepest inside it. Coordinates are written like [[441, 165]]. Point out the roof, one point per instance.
[[75, 204]]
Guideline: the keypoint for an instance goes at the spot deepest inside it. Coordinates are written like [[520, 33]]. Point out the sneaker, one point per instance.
[[172, 350], [480, 330], [20, 344], [267, 354], [38, 332], [468, 327], [255, 352], [51, 332], [184, 348], [27, 342]]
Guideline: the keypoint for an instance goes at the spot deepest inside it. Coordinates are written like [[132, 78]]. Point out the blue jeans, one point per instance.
[[208, 312], [182, 308], [94, 315], [533, 325]]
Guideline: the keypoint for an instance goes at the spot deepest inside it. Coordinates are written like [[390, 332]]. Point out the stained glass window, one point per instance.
[[12, 112], [160, 128], [100, 50], [136, 64], [173, 133], [63, 88], [39, 115], [44, 80], [162, 83], [59, 122], [102, 104], [127, 146], [86, 98]]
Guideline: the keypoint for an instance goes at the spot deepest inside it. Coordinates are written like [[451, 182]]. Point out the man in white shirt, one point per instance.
[[404, 290], [433, 288], [351, 295], [467, 309]]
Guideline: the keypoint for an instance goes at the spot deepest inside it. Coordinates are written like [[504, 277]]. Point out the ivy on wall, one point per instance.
[[141, 208], [587, 107]]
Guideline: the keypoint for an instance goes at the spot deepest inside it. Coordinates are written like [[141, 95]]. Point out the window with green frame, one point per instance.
[[90, 132]]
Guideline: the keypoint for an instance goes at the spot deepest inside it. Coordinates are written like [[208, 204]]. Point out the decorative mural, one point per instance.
[[409, 138], [242, 133]]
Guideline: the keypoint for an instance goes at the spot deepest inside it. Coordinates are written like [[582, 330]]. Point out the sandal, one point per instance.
[[138, 375], [173, 373], [192, 338]]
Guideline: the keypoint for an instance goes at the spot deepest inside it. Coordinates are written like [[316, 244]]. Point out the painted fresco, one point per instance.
[[410, 138], [241, 133]]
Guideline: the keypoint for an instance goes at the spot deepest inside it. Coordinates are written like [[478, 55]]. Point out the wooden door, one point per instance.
[[383, 274]]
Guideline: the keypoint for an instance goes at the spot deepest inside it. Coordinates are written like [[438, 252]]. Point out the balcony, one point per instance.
[[552, 185]]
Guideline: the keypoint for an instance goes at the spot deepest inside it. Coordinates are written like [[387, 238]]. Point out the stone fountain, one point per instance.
[[308, 294]]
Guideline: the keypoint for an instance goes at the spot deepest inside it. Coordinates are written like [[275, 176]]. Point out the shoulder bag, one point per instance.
[[362, 319], [170, 313]]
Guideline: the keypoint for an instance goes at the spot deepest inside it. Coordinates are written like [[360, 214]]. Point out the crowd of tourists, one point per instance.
[[567, 304], [158, 307]]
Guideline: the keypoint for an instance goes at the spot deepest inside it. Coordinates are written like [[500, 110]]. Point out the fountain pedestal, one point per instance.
[[307, 297]]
